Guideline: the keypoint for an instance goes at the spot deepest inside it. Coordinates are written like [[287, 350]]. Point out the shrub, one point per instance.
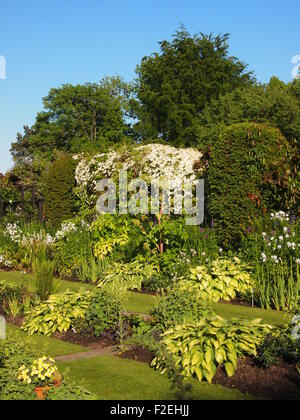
[[279, 344], [248, 174], [158, 282], [60, 182], [178, 307], [57, 314], [222, 280], [73, 245], [104, 310], [198, 349], [14, 352], [44, 278]]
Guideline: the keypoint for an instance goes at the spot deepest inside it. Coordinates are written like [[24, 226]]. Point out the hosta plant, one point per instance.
[[198, 349], [57, 314], [222, 280], [123, 277]]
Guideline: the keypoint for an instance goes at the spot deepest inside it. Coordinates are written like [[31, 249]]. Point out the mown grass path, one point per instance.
[[142, 303]]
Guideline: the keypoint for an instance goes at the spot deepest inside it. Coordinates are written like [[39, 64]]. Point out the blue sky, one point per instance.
[[47, 43]]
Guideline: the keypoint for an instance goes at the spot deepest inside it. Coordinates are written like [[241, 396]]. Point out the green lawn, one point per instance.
[[112, 378], [49, 346], [228, 311], [143, 303]]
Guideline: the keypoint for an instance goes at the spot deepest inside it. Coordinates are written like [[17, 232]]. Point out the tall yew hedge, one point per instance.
[[248, 175], [59, 197]]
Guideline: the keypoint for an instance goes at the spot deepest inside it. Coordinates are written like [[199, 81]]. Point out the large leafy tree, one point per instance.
[[76, 118], [175, 85], [275, 103]]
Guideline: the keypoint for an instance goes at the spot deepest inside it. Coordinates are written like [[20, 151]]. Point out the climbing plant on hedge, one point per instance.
[[248, 175], [60, 182]]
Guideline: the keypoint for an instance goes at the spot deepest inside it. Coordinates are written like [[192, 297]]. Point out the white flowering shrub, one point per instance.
[[152, 162]]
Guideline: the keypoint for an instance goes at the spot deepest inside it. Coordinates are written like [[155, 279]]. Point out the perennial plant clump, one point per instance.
[[199, 348], [222, 280]]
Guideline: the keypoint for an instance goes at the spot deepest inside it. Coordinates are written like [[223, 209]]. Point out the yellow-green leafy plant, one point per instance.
[[57, 313], [199, 348], [121, 276], [222, 280]]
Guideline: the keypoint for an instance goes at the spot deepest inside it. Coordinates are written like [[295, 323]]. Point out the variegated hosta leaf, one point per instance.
[[199, 348]]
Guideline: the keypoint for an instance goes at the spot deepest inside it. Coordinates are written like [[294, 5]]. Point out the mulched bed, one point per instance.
[[280, 382], [87, 339], [17, 321], [139, 354]]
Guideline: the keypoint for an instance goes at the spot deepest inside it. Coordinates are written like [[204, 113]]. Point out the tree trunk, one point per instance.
[[41, 211]]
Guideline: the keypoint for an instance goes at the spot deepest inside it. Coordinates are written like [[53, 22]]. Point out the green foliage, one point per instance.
[[175, 85], [179, 307], [14, 352], [278, 285], [82, 117], [104, 310], [110, 232], [58, 313], [91, 270], [120, 276], [71, 251], [248, 174], [44, 278], [157, 283], [69, 392], [15, 300], [59, 186], [222, 280], [272, 248], [275, 103], [279, 344], [198, 349]]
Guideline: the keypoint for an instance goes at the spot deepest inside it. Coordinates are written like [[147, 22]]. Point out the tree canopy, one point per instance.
[[76, 118], [175, 85]]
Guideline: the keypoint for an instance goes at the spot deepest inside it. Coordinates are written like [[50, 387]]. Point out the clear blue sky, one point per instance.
[[47, 43]]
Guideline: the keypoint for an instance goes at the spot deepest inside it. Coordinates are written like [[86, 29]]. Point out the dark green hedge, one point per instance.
[[247, 177], [59, 198]]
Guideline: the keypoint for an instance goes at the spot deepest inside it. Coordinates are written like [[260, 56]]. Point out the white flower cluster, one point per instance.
[[14, 232], [5, 262], [281, 243], [66, 228], [168, 163], [281, 216], [155, 162], [37, 237]]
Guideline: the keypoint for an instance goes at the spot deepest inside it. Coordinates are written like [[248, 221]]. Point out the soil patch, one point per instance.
[[280, 382], [13, 320], [139, 354], [87, 339]]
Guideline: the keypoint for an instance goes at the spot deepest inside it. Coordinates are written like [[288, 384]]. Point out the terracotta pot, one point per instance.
[[40, 392]]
